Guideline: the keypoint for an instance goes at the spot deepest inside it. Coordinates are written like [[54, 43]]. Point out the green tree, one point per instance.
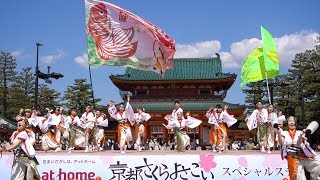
[[7, 77], [78, 96], [26, 80], [255, 92], [21, 92], [282, 93], [48, 98]]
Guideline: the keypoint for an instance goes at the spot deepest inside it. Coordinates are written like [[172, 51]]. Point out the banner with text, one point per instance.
[[138, 167]]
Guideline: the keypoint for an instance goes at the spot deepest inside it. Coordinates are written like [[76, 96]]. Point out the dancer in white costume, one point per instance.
[[125, 118], [176, 110], [87, 120], [140, 119], [76, 133], [28, 115], [272, 119], [48, 140], [55, 119], [296, 149], [258, 119], [24, 163], [220, 120], [179, 126], [264, 120], [98, 132]]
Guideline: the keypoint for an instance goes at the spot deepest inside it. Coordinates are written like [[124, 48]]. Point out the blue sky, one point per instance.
[[200, 29]]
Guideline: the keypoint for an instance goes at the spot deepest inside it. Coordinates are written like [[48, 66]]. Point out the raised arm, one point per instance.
[[129, 112], [112, 110]]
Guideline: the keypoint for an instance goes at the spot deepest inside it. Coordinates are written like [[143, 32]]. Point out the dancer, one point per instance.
[[48, 140], [258, 119], [87, 120], [269, 130], [28, 115], [296, 149], [140, 119], [124, 116], [54, 120], [220, 119], [98, 132], [76, 133], [176, 110], [179, 125], [24, 163]]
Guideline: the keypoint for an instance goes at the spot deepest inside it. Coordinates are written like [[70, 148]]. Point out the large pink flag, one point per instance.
[[117, 37]]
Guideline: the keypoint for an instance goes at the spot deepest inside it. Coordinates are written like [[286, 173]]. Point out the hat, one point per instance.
[[27, 110]]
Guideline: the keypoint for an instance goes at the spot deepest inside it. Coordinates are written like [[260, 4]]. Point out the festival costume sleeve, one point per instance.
[[228, 119], [90, 117], [145, 116], [22, 136], [103, 122], [308, 151], [208, 115], [168, 117], [113, 111], [82, 122], [76, 121], [252, 122], [19, 117], [281, 119], [192, 122], [129, 114], [274, 119], [53, 121], [32, 121]]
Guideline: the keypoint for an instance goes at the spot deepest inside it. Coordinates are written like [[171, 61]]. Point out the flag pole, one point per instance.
[[268, 87], [94, 104]]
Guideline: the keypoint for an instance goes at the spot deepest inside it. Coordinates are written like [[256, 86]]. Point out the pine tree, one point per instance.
[[282, 94], [7, 77], [78, 96], [304, 76], [26, 80], [255, 92], [48, 98]]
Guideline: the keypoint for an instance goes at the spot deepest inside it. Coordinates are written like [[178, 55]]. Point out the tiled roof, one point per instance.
[[184, 69], [5, 123], [188, 106]]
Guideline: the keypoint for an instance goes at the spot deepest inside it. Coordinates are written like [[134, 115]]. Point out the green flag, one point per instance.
[[262, 63]]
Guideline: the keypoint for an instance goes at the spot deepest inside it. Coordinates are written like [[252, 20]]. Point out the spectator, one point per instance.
[[235, 145], [250, 144]]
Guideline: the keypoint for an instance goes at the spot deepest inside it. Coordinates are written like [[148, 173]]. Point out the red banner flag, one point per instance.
[[117, 37]]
